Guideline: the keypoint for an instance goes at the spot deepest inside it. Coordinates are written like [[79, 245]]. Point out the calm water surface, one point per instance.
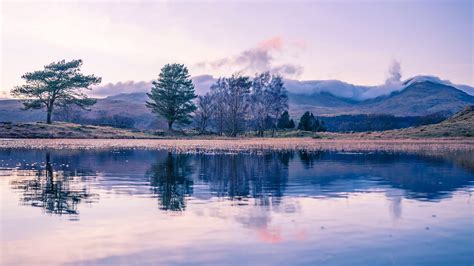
[[295, 208]]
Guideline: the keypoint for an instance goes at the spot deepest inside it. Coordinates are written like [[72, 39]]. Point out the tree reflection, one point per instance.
[[56, 191], [308, 158], [240, 176], [170, 180]]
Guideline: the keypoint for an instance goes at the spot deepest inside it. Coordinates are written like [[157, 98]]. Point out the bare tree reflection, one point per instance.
[[56, 191], [170, 180], [241, 176]]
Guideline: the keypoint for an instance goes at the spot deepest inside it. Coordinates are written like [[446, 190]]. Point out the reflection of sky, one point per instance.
[[123, 229], [361, 207]]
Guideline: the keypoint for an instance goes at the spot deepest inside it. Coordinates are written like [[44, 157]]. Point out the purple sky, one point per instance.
[[347, 40]]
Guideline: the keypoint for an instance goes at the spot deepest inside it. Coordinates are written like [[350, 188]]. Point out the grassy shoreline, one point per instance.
[[247, 145], [460, 125]]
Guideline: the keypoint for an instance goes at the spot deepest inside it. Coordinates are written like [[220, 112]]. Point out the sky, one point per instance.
[[353, 41]]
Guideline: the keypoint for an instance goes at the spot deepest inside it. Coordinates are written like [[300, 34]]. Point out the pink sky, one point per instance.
[[351, 41]]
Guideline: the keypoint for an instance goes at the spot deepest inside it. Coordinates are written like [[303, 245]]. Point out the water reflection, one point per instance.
[[56, 191], [170, 180], [290, 208], [240, 176], [69, 178]]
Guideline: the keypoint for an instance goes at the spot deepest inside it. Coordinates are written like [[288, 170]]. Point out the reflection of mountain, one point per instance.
[[59, 185], [56, 191], [420, 177]]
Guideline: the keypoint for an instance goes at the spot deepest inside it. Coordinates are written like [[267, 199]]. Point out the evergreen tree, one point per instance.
[[292, 124], [284, 121], [304, 121], [59, 84], [172, 94], [310, 123]]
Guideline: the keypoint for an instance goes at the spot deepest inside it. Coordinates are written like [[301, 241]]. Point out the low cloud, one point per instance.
[[201, 85], [392, 83], [338, 88], [260, 58], [120, 87]]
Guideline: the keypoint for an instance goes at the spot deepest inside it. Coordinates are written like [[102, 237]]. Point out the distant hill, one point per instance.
[[417, 99], [120, 110], [460, 124], [11, 111], [421, 96], [420, 99], [137, 97]]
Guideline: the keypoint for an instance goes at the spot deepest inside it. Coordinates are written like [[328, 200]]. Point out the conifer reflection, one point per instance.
[[170, 180], [56, 191]]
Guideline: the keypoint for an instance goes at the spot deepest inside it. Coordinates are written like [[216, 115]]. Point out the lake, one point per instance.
[[133, 206]]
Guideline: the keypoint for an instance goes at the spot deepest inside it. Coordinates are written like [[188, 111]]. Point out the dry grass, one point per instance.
[[247, 145], [65, 130]]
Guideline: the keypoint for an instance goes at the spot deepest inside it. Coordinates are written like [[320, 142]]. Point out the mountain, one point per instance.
[[359, 92], [137, 97], [11, 111], [123, 110], [460, 124], [419, 96]]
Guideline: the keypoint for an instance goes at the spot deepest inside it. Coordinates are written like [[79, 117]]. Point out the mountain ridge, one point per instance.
[[420, 98]]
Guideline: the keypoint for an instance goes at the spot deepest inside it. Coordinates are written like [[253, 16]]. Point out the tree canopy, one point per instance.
[[284, 122], [240, 102], [172, 94], [310, 123], [58, 84]]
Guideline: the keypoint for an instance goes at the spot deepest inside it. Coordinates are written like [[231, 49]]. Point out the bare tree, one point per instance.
[[278, 98], [269, 100], [219, 90], [260, 101], [237, 103], [238, 99], [204, 112]]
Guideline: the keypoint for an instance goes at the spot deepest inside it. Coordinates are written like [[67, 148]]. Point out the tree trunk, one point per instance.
[[49, 111], [170, 125]]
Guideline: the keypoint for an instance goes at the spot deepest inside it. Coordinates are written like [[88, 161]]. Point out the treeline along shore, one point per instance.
[[235, 106]]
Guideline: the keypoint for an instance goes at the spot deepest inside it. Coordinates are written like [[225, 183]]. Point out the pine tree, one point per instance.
[[284, 121], [292, 124], [59, 84], [172, 94], [304, 122], [308, 122]]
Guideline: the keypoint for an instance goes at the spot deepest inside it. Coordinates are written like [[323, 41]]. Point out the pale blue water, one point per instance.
[[154, 207]]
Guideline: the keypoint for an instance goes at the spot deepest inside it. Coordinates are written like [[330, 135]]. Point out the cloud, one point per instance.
[[201, 85], [392, 83], [120, 87], [338, 88], [335, 87], [260, 58], [395, 74]]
